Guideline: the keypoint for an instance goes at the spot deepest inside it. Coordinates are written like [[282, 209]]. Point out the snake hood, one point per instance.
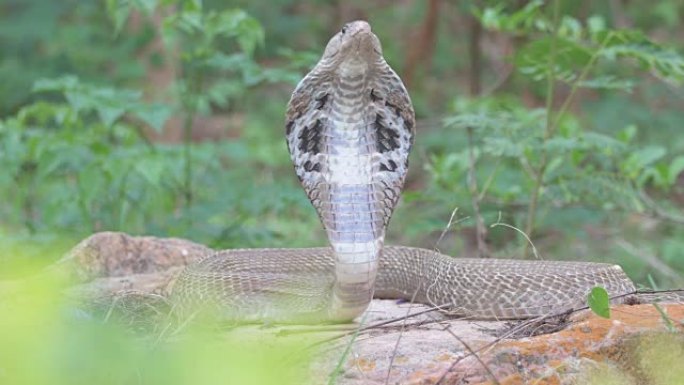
[[349, 128]]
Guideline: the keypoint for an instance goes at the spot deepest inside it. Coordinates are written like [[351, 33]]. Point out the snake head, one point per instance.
[[355, 42]]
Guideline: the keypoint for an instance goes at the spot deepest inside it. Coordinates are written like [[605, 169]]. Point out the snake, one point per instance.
[[349, 128]]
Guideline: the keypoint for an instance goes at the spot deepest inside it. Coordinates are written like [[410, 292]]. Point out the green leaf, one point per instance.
[[655, 174], [146, 5], [118, 11], [91, 183], [77, 100], [192, 5], [155, 114], [152, 169], [62, 83], [627, 134], [608, 82], [663, 62], [520, 21], [109, 114], [596, 24], [676, 167], [599, 302], [641, 159], [570, 28], [570, 57]]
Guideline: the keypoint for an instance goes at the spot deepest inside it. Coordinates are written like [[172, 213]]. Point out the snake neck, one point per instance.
[[352, 215], [349, 144]]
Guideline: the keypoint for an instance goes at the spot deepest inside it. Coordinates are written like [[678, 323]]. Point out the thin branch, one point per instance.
[[548, 131], [447, 228], [651, 260], [401, 333], [475, 89], [529, 241], [659, 212], [489, 180], [510, 69], [480, 229], [576, 84], [486, 367], [386, 322]]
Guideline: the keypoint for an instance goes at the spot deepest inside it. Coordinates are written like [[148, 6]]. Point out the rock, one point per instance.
[[432, 351], [581, 348]]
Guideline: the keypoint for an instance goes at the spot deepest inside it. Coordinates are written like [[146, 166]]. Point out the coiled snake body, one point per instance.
[[349, 128]]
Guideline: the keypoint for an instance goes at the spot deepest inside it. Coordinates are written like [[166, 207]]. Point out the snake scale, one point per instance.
[[350, 126]]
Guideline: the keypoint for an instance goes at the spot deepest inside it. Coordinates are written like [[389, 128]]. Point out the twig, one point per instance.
[[580, 79], [447, 228], [499, 223], [447, 328], [480, 229], [347, 349], [401, 333], [383, 323], [651, 260], [499, 82], [489, 180], [657, 211]]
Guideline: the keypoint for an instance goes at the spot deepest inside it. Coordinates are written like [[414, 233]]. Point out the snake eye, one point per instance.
[[344, 29]]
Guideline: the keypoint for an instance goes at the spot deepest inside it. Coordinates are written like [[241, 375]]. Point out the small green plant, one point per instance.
[[530, 161], [215, 49]]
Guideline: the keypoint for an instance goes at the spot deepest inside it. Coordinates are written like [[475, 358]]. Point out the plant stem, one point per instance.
[[195, 80], [580, 79], [552, 124], [475, 89], [548, 130], [187, 156], [480, 229], [29, 203]]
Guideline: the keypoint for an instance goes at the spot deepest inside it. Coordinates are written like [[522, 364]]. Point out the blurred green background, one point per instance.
[[166, 118], [562, 119]]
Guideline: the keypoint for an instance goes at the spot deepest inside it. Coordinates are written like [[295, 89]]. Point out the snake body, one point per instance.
[[349, 128]]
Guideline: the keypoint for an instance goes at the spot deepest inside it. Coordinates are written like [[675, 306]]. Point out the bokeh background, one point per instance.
[[166, 118], [556, 124]]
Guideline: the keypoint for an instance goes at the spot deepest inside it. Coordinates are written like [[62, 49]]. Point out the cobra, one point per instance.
[[350, 126]]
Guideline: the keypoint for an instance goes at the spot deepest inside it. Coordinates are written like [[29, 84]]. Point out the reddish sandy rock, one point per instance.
[[589, 349]]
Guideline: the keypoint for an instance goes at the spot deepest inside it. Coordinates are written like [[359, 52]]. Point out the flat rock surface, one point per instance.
[[428, 352]]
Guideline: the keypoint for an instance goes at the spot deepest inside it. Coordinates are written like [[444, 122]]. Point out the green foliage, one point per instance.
[[599, 302], [110, 104], [46, 39], [578, 45], [93, 169], [585, 127], [80, 158], [583, 167], [45, 339], [537, 160]]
